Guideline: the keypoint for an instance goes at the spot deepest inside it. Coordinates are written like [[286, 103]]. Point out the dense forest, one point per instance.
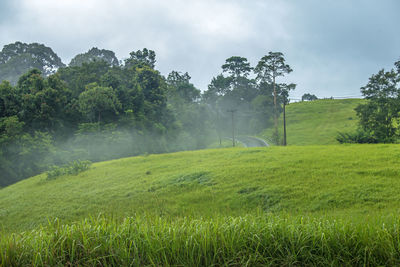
[[99, 108]]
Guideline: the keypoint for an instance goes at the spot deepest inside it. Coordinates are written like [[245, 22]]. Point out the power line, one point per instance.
[[332, 97]]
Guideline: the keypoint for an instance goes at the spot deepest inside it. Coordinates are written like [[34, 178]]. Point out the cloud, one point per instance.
[[333, 46]]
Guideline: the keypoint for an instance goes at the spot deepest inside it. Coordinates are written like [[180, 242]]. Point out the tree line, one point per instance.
[[100, 110]]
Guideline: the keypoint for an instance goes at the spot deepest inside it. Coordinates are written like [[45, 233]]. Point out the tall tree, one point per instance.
[[268, 69], [284, 94], [237, 67], [141, 58]]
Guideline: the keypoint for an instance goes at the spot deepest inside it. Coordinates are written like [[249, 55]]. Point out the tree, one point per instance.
[[308, 97], [141, 58], [284, 94], [43, 101], [18, 58], [95, 54], [268, 69], [96, 101], [219, 86], [380, 115], [237, 67], [180, 86], [154, 91], [9, 100], [233, 92], [78, 77]]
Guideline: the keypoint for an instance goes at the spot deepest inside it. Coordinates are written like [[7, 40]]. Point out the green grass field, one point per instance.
[[300, 180], [296, 205], [318, 122]]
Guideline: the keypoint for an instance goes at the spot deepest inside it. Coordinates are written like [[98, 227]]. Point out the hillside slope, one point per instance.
[[318, 122], [333, 180]]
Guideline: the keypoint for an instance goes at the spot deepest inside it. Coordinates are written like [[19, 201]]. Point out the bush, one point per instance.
[[73, 168], [358, 137]]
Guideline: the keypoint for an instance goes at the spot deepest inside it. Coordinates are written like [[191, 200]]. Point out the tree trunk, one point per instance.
[[275, 114]]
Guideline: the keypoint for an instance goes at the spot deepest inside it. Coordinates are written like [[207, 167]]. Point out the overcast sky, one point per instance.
[[332, 46]]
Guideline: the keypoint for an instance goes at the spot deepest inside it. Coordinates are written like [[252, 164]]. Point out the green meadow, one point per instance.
[[298, 180], [296, 205], [318, 122]]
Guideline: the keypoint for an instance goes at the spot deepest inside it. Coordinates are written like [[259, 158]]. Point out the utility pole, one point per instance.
[[218, 129], [232, 111], [285, 94], [284, 122]]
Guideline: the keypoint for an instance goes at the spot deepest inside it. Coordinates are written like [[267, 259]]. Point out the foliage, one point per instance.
[[18, 58], [17, 149], [192, 117], [97, 102], [267, 70], [95, 54], [380, 115], [308, 97], [134, 100], [237, 67], [181, 88], [141, 58], [252, 99], [358, 137], [78, 77], [73, 168], [272, 66]]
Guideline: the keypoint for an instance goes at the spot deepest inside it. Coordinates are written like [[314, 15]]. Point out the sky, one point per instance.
[[333, 46]]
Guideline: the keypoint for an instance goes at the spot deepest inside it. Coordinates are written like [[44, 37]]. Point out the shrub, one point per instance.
[[73, 168], [358, 137]]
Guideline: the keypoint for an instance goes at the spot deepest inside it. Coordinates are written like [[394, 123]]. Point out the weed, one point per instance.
[[73, 168]]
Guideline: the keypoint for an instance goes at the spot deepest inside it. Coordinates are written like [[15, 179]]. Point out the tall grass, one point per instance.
[[234, 241]]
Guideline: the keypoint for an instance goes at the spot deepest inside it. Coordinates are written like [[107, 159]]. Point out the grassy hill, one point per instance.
[[315, 180], [297, 205], [318, 122]]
